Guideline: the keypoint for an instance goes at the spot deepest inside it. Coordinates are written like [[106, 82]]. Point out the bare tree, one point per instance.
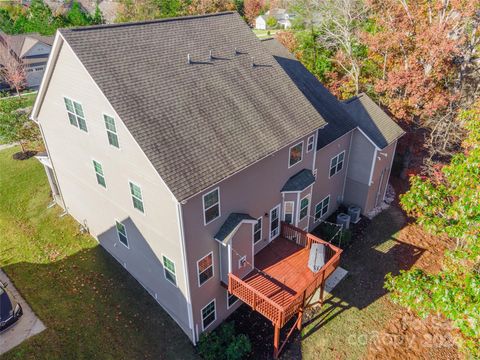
[[12, 68], [338, 23]]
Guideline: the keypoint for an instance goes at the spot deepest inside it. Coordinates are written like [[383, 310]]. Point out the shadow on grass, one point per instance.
[[94, 309]]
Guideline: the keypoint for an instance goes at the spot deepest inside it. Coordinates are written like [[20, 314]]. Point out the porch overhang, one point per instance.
[[231, 225], [299, 182]]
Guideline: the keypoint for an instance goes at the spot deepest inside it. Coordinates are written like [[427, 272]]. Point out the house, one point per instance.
[[33, 50], [281, 15], [171, 155]]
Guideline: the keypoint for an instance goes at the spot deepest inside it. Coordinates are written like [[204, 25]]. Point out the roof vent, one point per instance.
[[189, 59], [253, 62], [236, 51], [211, 55]]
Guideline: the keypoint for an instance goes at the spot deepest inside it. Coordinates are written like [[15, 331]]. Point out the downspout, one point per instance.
[[187, 274], [346, 168]]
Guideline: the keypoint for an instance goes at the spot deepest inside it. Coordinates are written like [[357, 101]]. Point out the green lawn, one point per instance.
[[358, 308], [263, 34], [92, 307]]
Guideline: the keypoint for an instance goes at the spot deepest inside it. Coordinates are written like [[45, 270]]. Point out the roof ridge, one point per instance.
[[146, 22]]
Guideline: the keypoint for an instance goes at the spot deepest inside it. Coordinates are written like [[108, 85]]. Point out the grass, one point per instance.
[[91, 306], [357, 310]]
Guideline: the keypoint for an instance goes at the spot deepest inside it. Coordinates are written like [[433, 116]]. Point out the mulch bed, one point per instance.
[[260, 332], [24, 155]]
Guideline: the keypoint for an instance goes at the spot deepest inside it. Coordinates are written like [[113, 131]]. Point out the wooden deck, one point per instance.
[[284, 271], [281, 285]]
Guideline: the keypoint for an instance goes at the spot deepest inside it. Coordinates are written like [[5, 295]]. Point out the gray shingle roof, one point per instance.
[[17, 42], [373, 121], [202, 122], [230, 224], [299, 181], [339, 121]]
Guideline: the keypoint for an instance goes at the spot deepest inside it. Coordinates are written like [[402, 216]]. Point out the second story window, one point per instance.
[[211, 206], [137, 198], [205, 269], [111, 131], [76, 114], [99, 173], [336, 164], [295, 154], [310, 143]]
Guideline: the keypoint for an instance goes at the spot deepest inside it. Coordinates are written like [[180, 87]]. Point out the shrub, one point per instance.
[[224, 344]]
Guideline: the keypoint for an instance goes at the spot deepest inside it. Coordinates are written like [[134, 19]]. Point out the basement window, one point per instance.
[[122, 233], [209, 315], [169, 269]]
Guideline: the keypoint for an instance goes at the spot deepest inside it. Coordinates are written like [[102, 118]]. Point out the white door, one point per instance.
[[274, 222]]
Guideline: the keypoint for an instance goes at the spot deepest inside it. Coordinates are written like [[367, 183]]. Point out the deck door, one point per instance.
[[274, 222]]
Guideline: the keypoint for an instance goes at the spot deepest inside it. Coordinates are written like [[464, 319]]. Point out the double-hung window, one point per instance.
[[137, 198], [322, 208], [336, 163], [169, 269], [75, 114], [211, 206], [208, 314], [122, 233], [295, 154], [288, 212], [257, 231], [111, 130], [310, 143], [304, 207], [231, 300], [99, 173], [205, 269]]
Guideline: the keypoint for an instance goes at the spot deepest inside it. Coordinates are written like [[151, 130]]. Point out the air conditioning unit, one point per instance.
[[354, 211], [344, 220]]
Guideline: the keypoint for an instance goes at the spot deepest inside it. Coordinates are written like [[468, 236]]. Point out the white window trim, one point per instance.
[[243, 258], [330, 165], [228, 305], [293, 210], [312, 137], [301, 157], [118, 235], [165, 270], [213, 269], [95, 172], [278, 207], [261, 231], [131, 196], [315, 173], [116, 130], [300, 207], [321, 202], [214, 313], [83, 109], [205, 223]]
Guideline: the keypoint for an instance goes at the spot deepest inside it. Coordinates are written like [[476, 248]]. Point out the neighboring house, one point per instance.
[[281, 15], [172, 155], [33, 50]]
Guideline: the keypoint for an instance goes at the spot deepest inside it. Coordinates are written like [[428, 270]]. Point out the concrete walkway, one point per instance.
[[28, 325], [6, 146]]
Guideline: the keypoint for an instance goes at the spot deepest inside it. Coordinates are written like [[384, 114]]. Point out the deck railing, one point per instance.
[[278, 314]]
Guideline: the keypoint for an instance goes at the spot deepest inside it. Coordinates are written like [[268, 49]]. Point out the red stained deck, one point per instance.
[[286, 265], [282, 283]]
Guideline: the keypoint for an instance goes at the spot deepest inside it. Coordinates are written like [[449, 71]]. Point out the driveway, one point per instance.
[[27, 326]]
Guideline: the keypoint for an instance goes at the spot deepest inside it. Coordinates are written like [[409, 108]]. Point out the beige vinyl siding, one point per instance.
[[151, 233]]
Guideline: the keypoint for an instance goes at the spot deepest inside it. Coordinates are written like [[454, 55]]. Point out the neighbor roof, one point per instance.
[[373, 121], [22, 43], [339, 120], [230, 225], [299, 181], [198, 122]]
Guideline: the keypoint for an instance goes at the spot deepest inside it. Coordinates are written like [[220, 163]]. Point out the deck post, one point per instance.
[[276, 341]]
